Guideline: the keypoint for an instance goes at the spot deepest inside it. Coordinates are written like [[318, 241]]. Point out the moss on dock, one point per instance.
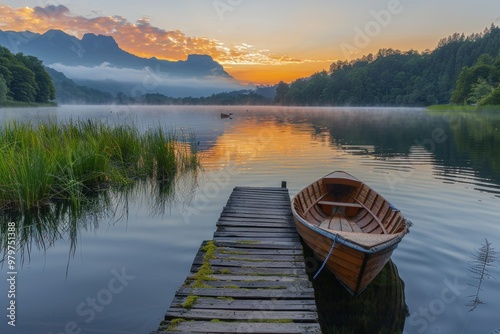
[[190, 301]]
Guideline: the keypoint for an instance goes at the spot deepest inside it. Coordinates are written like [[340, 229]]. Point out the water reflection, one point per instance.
[[39, 229], [42, 227], [456, 144], [476, 138], [461, 148]]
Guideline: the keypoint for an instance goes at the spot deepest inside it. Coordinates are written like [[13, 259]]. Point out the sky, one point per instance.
[[258, 41]]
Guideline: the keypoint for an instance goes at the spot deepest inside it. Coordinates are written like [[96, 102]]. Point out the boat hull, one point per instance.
[[353, 261], [354, 268]]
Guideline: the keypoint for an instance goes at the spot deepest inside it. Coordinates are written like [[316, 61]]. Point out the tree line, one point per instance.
[[396, 78], [23, 79], [243, 97]]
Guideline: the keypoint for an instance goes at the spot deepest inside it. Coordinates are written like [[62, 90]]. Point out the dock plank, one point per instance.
[[245, 315], [243, 327], [235, 304]]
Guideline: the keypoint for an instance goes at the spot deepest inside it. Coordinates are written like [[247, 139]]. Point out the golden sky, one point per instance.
[[256, 41]]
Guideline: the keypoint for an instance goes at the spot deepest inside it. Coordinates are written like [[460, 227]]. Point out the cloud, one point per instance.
[[140, 38], [51, 11]]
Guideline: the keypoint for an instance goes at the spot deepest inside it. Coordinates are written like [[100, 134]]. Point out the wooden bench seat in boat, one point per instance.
[[344, 204]]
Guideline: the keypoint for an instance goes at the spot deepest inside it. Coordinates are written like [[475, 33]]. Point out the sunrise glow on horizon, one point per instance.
[[256, 41]]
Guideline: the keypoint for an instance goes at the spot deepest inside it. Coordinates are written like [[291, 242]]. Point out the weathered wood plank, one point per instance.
[[255, 229], [223, 258], [232, 277], [270, 189], [254, 271], [261, 200], [257, 235], [277, 285], [299, 293], [252, 264], [259, 257], [256, 224], [244, 304], [270, 243], [264, 205], [248, 212], [285, 220], [258, 251], [245, 327], [264, 199], [247, 315]]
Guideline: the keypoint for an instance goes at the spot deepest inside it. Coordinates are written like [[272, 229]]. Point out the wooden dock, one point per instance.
[[251, 278]]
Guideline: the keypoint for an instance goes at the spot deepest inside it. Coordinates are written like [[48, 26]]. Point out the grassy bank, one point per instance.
[[43, 163], [454, 107]]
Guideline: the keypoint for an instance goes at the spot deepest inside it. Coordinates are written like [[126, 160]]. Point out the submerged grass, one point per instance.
[[45, 163]]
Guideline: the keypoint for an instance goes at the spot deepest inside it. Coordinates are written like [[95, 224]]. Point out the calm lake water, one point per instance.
[[116, 268]]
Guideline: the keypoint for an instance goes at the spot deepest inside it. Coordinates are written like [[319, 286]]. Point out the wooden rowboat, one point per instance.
[[349, 227]]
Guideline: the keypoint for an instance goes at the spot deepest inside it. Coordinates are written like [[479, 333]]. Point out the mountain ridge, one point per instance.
[[56, 46], [98, 62]]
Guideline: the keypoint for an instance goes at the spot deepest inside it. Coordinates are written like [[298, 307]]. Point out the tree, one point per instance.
[[45, 91], [493, 99], [25, 77], [477, 82], [23, 86], [3, 90], [481, 90], [281, 91]]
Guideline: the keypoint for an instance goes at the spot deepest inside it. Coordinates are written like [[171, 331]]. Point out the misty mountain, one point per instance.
[[68, 92], [97, 61], [55, 46]]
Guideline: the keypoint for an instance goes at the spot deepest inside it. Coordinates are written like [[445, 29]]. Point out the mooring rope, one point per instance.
[[327, 257]]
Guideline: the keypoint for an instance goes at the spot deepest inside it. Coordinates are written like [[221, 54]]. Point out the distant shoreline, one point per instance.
[[17, 104]]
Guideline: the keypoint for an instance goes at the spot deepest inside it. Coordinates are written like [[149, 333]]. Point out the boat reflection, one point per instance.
[[381, 308]]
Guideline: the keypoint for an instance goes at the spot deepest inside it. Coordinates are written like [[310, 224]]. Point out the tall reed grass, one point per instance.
[[49, 162]]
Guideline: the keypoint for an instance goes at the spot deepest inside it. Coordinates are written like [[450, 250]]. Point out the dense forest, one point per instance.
[[396, 78], [23, 79]]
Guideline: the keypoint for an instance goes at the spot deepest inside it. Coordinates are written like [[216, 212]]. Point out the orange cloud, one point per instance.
[[140, 38]]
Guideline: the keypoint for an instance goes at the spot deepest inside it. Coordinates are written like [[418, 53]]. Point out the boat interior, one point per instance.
[[348, 205]]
